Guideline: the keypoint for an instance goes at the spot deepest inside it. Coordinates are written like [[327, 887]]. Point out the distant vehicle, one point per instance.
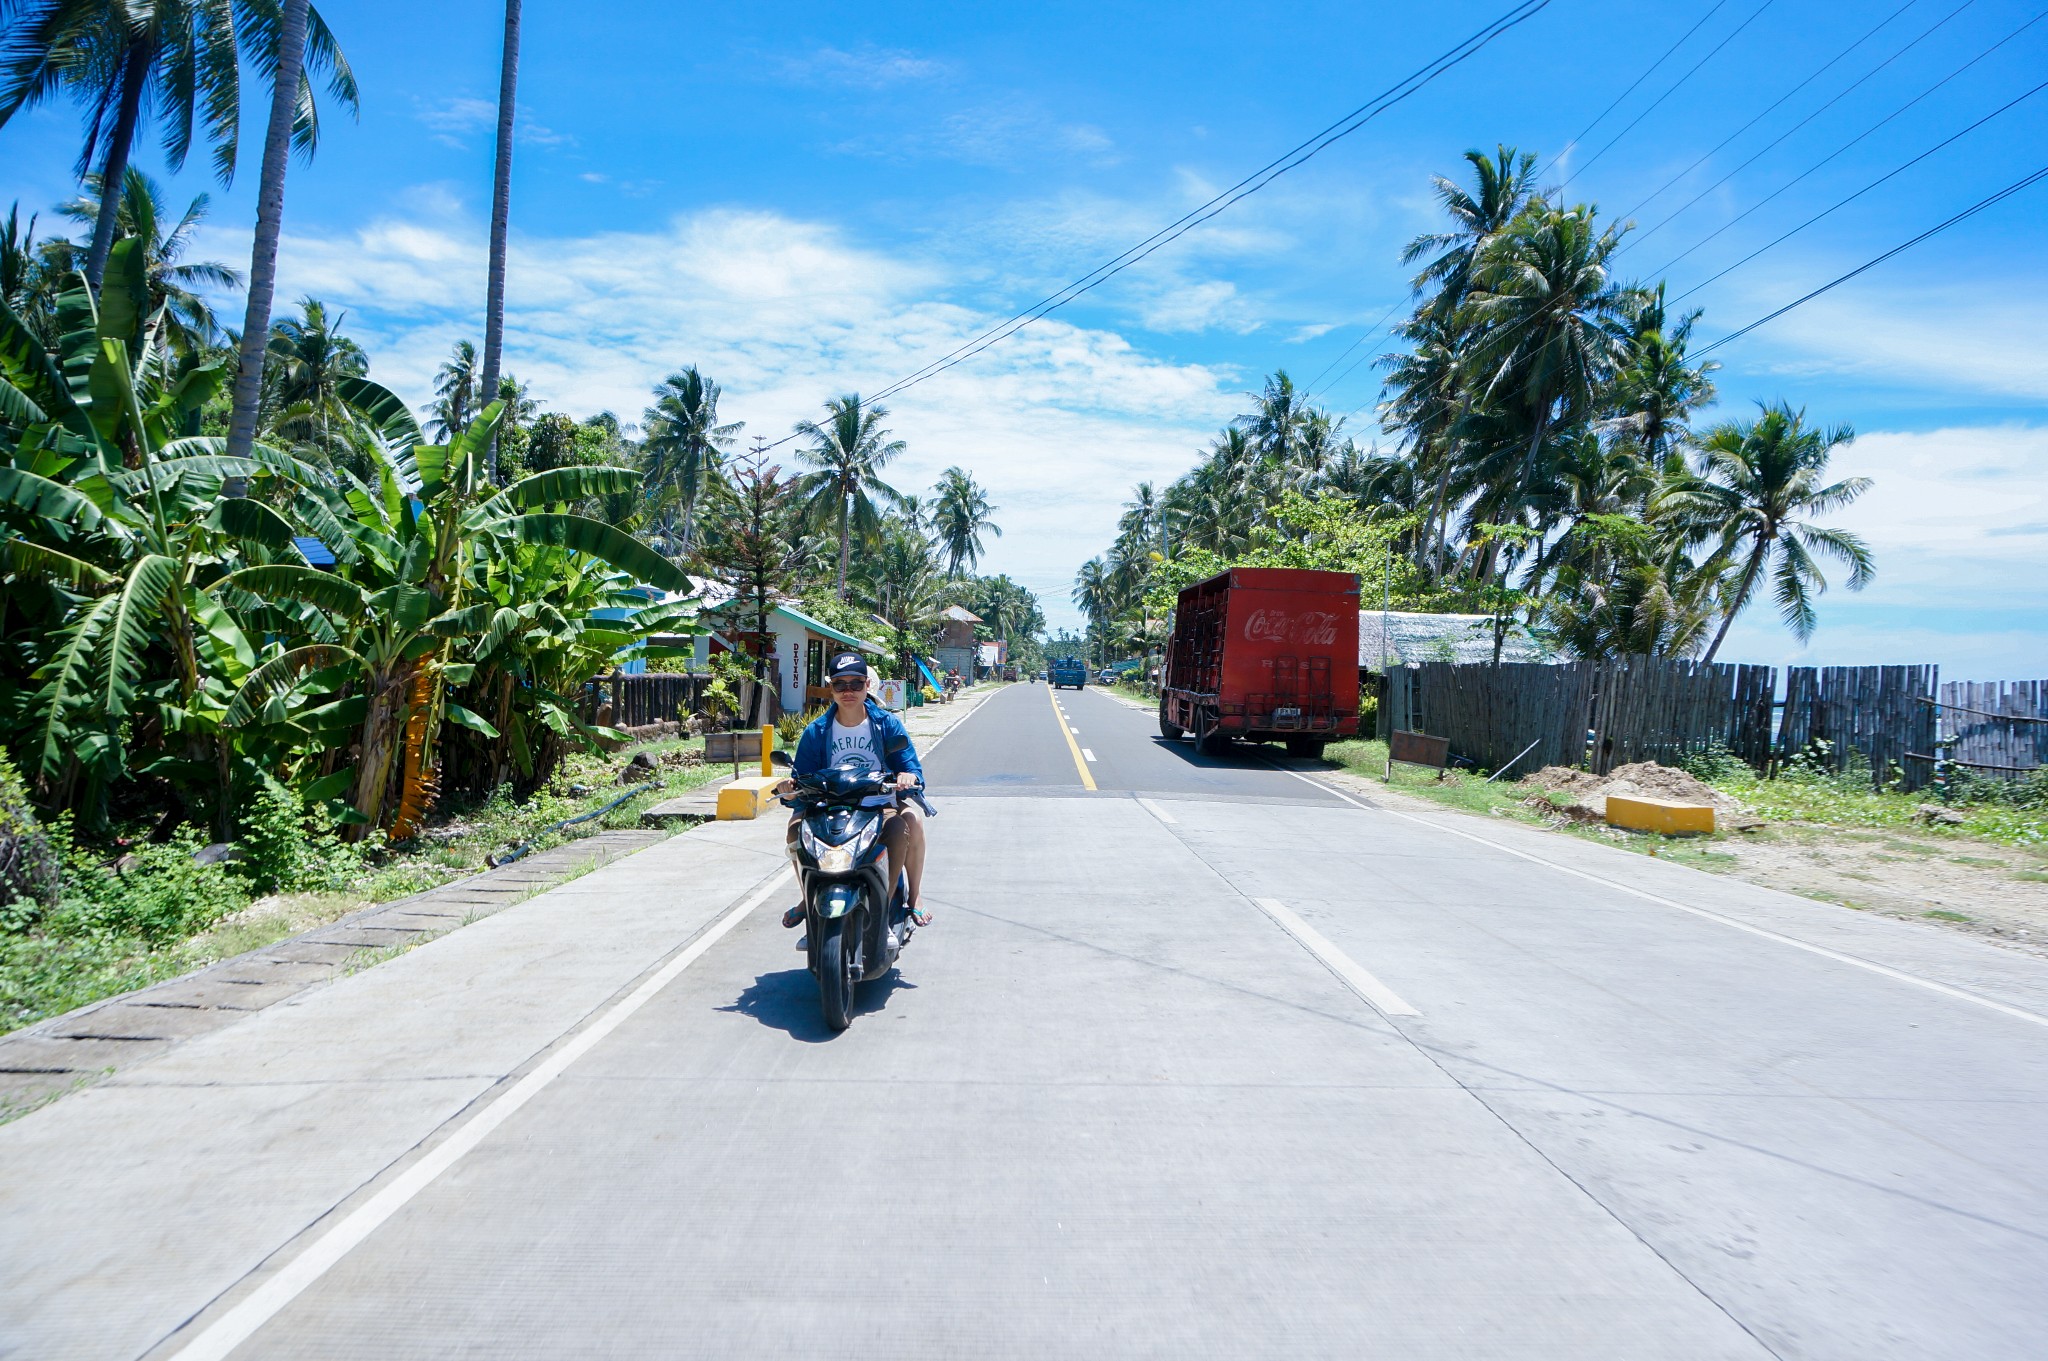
[[1266, 654], [1068, 671], [1106, 677]]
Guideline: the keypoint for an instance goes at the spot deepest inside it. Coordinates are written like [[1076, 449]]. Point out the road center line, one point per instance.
[[1884, 970], [238, 1324], [1156, 811], [1072, 746], [1344, 966], [1087, 753]]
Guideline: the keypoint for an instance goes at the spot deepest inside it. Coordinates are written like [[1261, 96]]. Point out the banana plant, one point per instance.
[[404, 603], [118, 535]]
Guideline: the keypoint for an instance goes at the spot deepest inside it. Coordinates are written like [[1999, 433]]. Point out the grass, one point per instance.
[[1939, 915], [102, 945], [1851, 802]]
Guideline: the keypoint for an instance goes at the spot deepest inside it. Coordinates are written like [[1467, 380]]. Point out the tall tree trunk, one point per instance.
[[134, 70], [501, 217], [277, 147], [1749, 574], [845, 541]]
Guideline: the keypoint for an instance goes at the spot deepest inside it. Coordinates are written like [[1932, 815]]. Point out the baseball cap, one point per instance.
[[847, 664]]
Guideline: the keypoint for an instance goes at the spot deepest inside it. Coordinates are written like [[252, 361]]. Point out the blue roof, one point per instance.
[[316, 552]]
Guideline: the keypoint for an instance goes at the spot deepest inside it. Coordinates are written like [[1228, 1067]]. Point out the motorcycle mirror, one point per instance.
[[898, 743], [780, 758]]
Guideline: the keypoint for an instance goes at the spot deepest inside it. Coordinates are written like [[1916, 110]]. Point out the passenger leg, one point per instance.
[[905, 837]]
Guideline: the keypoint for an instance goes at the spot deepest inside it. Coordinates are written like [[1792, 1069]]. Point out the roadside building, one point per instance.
[[1409, 639], [957, 644]]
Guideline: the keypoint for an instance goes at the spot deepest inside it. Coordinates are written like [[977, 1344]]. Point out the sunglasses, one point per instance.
[[849, 684]]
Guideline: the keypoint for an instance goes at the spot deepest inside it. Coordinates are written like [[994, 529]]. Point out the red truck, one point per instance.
[[1264, 653]]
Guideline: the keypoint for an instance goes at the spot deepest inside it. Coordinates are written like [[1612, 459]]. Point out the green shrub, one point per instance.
[[281, 852], [31, 870], [158, 894], [1712, 762]]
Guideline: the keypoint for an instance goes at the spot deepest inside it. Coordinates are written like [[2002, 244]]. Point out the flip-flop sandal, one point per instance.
[[793, 917], [920, 917]]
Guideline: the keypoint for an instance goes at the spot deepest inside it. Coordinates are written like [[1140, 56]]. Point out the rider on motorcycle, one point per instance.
[[856, 728]]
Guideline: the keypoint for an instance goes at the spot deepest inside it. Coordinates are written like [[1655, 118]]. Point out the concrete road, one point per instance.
[[1208, 1060]]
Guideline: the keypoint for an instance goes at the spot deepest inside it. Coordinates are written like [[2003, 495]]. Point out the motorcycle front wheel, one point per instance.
[[838, 970]]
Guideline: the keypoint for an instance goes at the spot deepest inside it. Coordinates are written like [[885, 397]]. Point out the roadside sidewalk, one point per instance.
[[132, 1205]]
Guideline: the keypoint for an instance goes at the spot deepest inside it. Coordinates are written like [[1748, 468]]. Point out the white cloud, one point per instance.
[[1059, 422], [865, 67], [454, 118], [1958, 522]]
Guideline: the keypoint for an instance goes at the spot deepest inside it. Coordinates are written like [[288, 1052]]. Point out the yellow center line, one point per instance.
[[1072, 746]]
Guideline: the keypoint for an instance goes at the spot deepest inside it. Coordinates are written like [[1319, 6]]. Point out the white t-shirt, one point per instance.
[[857, 742]]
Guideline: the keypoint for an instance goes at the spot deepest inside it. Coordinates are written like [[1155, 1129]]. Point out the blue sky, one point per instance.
[[818, 198]]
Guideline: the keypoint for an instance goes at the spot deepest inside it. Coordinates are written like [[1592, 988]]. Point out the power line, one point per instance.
[[1828, 66], [1366, 335], [1396, 93], [1853, 141], [1979, 206], [1659, 100], [1889, 175], [1648, 71]]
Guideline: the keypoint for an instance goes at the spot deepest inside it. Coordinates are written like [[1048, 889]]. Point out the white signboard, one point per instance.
[[889, 693]]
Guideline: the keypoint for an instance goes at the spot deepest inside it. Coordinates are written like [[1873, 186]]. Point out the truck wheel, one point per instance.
[[1210, 742], [1168, 729], [836, 976], [1306, 746]]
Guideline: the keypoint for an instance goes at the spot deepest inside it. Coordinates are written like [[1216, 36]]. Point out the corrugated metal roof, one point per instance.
[[315, 552], [1411, 638]]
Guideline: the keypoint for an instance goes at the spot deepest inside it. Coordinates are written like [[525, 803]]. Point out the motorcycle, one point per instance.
[[856, 904]]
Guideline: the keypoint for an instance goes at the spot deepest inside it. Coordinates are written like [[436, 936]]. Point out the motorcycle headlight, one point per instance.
[[835, 860]]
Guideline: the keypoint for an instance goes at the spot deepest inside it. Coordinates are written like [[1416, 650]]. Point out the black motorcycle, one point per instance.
[[856, 904]]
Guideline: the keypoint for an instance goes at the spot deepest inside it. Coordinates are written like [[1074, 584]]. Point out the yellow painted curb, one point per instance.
[[745, 797], [1642, 814]]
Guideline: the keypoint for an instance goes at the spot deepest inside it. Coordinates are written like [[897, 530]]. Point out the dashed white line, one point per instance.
[[1156, 811], [1087, 753], [2017, 1013], [238, 1324], [1355, 977]]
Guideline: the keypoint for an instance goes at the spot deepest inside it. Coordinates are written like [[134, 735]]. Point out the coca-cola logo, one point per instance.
[[1312, 628]]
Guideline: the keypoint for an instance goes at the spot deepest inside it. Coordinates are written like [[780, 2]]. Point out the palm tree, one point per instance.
[[1144, 518], [501, 210], [1502, 187], [189, 322], [1657, 391], [1275, 420], [308, 360], [1554, 323], [960, 513], [1757, 486], [1095, 592], [848, 451], [455, 390], [685, 444], [296, 41], [175, 58]]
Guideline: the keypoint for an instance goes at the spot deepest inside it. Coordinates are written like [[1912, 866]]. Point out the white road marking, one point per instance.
[[1338, 963], [1884, 970], [1074, 730], [1156, 811], [1087, 753], [238, 1324]]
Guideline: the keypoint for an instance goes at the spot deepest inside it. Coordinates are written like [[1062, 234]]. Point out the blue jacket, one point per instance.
[[816, 742]]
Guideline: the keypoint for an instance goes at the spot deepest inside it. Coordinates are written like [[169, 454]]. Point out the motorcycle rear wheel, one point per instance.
[[837, 976]]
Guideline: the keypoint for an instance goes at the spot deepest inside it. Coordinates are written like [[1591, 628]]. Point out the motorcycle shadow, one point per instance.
[[788, 1001]]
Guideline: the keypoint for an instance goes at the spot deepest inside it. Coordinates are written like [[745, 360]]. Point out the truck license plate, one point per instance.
[[1287, 713]]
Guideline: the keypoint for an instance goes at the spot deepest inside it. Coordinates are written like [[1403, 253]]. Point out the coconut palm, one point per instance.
[[174, 59], [308, 359], [1275, 421], [501, 210], [189, 324], [1657, 390], [455, 391], [1756, 490], [1502, 187], [685, 445], [848, 451], [286, 39], [1553, 323], [960, 515]]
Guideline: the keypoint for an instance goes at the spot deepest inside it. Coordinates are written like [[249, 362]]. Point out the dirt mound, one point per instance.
[[1588, 792]]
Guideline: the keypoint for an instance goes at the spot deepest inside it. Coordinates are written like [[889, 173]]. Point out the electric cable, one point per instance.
[[1889, 175], [1648, 71], [1303, 151], [1817, 165], [1979, 206], [1366, 335], [1395, 94], [1825, 68], [1659, 100]]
